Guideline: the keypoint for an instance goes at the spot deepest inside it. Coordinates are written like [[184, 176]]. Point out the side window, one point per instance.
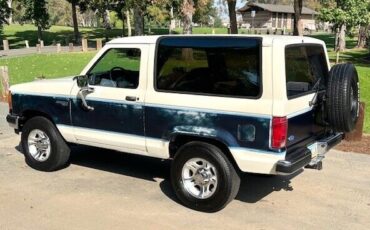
[[211, 66], [118, 67], [305, 65]]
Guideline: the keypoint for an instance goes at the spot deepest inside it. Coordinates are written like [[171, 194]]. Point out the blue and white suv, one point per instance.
[[216, 105]]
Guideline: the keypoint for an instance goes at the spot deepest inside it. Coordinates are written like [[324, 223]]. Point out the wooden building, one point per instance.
[[275, 16]]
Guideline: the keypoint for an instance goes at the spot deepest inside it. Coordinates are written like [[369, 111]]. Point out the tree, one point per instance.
[[139, 10], [187, 10], [363, 31], [5, 12], [101, 9], [76, 33], [204, 11], [36, 11], [60, 12], [10, 17], [345, 14], [120, 8], [231, 4], [298, 26]]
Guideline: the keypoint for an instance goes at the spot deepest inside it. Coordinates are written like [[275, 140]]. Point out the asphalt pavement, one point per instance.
[[103, 189]]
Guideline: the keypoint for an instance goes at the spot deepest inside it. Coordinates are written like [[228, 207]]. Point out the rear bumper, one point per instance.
[[313, 154]]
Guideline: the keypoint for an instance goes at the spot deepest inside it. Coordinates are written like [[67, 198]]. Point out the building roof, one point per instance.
[[275, 8]]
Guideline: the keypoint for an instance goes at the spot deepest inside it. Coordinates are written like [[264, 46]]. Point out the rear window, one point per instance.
[[209, 65], [305, 65]]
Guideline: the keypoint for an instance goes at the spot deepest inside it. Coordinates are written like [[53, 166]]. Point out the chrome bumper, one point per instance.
[[310, 157], [320, 148]]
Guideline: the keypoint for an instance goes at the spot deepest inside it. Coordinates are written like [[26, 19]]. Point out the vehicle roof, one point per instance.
[[267, 39]]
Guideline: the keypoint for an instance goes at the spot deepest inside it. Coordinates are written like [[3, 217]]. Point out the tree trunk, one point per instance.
[[39, 33], [123, 23], [106, 23], [362, 33], [187, 16], [138, 21], [10, 19], [341, 38], [232, 15], [172, 22], [129, 30], [75, 23], [298, 25]]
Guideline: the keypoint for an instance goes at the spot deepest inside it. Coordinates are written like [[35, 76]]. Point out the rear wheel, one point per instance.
[[343, 97], [203, 178], [43, 146]]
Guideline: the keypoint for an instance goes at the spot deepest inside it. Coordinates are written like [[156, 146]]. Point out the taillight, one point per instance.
[[10, 102], [279, 132]]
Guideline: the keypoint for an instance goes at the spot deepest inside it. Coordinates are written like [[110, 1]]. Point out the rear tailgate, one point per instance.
[[306, 75]]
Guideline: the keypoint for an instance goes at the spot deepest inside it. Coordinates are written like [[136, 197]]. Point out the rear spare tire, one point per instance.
[[343, 96]]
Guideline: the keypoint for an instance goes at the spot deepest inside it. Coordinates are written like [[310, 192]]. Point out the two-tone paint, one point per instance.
[[147, 125]]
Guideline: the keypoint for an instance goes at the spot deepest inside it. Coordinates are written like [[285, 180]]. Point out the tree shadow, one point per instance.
[[329, 40], [253, 187]]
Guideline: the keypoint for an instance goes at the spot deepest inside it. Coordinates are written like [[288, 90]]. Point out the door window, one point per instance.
[[118, 67]]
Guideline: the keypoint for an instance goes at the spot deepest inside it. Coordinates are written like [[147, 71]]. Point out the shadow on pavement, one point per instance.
[[253, 187]]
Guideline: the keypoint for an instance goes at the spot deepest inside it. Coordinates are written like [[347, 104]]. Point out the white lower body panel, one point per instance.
[[115, 141], [254, 161]]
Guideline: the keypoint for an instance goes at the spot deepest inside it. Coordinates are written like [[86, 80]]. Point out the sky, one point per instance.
[[224, 15]]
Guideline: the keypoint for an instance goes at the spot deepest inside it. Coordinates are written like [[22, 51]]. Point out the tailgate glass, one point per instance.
[[305, 65]]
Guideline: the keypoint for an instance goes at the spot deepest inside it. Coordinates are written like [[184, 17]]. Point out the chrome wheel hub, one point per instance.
[[39, 145], [199, 178]]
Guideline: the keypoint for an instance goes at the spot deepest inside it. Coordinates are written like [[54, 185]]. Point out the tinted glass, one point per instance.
[[304, 66], [118, 67], [209, 65]]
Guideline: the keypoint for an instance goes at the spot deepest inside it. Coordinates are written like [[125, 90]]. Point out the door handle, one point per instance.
[[131, 98]]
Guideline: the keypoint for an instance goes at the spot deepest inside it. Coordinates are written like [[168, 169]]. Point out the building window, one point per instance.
[[285, 19], [274, 20]]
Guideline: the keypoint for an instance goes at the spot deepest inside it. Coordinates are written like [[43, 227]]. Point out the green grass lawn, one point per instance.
[[27, 68], [329, 40], [17, 34]]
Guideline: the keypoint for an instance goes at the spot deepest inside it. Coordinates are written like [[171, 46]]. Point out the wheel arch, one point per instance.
[[31, 113], [178, 140]]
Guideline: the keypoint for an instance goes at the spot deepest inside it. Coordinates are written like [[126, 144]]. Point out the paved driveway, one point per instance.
[[108, 190]]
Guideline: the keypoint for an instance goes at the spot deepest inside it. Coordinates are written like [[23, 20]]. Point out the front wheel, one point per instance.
[[203, 177], [43, 146]]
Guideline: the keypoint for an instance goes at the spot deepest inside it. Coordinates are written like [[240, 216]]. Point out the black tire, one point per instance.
[[343, 97], [59, 150], [228, 179]]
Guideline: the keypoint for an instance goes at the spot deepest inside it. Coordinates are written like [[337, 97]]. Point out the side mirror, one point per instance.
[[82, 81]]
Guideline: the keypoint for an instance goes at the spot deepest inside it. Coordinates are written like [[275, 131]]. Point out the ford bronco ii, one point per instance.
[[217, 106]]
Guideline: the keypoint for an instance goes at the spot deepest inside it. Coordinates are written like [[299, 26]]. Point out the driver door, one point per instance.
[[117, 82]]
